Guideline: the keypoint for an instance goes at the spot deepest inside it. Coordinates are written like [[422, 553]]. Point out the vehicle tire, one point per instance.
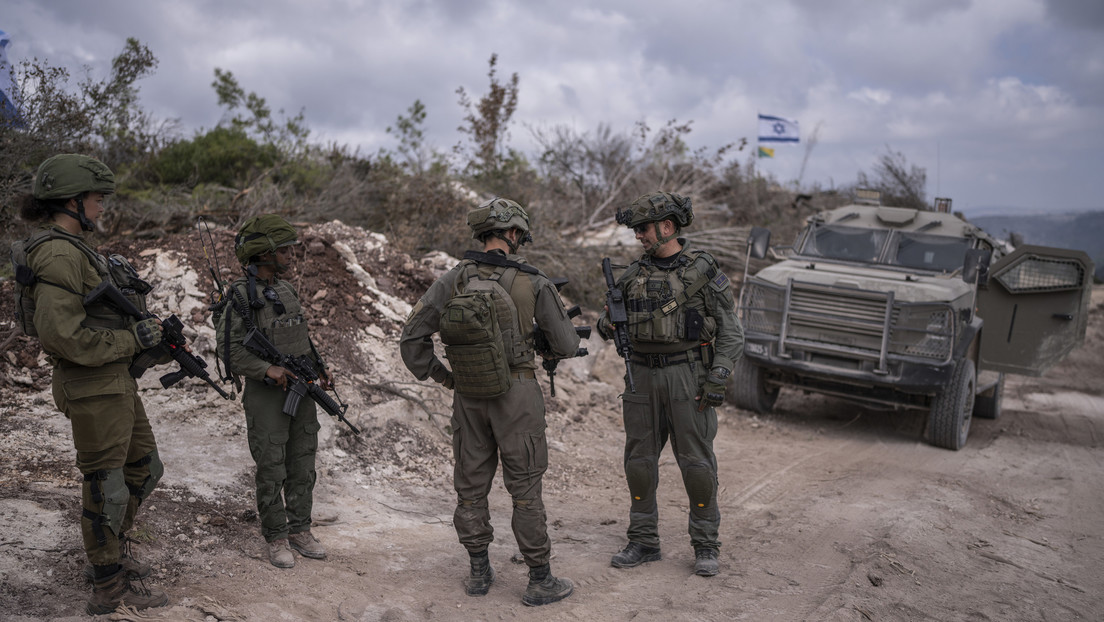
[[953, 408], [749, 388], [988, 404]]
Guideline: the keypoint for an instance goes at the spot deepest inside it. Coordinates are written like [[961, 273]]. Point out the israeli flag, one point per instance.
[[9, 114], [777, 130]]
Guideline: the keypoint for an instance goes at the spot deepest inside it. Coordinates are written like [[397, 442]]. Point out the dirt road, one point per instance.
[[829, 512]]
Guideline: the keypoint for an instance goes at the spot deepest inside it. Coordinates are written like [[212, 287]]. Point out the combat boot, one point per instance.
[[482, 575], [110, 592], [280, 554], [635, 554], [544, 588], [705, 562], [307, 545], [133, 568]]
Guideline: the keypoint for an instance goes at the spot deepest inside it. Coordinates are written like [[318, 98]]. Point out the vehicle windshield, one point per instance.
[[929, 252], [849, 243]]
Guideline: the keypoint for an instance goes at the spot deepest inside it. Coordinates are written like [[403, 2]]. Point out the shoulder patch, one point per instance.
[[719, 282]]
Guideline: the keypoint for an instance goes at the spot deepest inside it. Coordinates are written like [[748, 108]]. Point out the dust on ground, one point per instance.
[[829, 511]]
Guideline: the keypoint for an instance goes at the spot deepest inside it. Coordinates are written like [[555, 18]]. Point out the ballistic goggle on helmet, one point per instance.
[[263, 234], [657, 206], [499, 215]]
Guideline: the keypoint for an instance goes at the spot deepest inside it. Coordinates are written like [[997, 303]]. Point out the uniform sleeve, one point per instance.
[[242, 360], [416, 342], [59, 313], [729, 343], [551, 317]]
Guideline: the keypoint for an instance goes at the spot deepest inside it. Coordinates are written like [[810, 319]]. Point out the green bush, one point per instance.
[[225, 155]]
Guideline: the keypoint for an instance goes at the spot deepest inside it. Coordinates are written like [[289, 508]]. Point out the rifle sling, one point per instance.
[[498, 260]]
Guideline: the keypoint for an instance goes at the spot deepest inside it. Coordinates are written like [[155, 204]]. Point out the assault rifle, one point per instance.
[[541, 345], [619, 318], [172, 342], [305, 383]]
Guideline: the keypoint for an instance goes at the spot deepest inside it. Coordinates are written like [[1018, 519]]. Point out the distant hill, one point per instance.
[[1080, 231]]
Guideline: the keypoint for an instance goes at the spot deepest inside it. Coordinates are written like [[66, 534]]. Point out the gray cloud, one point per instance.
[[1003, 102]]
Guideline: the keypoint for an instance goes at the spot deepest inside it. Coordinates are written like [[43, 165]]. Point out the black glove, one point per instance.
[[147, 332], [713, 390]]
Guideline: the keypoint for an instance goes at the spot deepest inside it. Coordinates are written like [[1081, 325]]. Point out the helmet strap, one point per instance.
[[500, 234], [85, 223], [660, 240]]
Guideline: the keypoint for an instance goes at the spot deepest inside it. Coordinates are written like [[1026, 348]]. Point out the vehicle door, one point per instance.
[[1034, 308]]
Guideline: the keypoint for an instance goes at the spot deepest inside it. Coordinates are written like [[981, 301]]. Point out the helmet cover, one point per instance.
[[657, 206], [497, 214], [263, 234], [70, 175]]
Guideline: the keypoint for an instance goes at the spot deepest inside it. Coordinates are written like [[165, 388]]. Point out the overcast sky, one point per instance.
[[1002, 101]]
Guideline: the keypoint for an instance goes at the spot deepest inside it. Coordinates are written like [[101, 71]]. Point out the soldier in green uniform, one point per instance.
[[489, 425], [282, 446], [686, 338], [90, 348]]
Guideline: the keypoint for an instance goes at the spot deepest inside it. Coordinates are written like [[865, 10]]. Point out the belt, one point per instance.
[[523, 374], [663, 360]]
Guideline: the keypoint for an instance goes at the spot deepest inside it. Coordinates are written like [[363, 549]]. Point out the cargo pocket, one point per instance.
[[637, 412], [536, 449], [98, 409]]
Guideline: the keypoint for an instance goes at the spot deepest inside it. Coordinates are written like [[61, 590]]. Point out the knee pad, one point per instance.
[[480, 503], [156, 470], [640, 473], [110, 495], [701, 485]]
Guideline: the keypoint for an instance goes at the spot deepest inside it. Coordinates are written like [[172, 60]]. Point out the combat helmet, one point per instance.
[[262, 234], [657, 206], [654, 208], [498, 216], [69, 176]]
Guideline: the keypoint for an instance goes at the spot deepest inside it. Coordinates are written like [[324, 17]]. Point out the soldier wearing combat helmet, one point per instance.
[[686, 338], [283, 447], [90, 348], [497, 407]]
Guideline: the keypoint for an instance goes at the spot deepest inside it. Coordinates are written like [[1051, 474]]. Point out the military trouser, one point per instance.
[[664, 407], [284, 449], [116, 451], [511, 428]]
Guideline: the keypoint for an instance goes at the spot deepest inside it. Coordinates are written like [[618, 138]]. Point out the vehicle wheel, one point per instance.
[[749, 388], [988, 404], [952, 409]]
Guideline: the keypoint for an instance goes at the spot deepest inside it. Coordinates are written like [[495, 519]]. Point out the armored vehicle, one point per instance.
[[902, 308]]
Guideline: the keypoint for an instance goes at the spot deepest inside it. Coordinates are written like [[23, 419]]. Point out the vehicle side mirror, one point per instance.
[[758, 242], [975, 269]]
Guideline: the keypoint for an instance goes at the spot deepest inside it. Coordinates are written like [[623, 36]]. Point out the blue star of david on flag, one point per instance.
[[778, 130]]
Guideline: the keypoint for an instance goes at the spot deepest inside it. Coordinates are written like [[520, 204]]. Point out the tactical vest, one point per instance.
[[483, 331], [98, 314], [661, 305], [286, 330]]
